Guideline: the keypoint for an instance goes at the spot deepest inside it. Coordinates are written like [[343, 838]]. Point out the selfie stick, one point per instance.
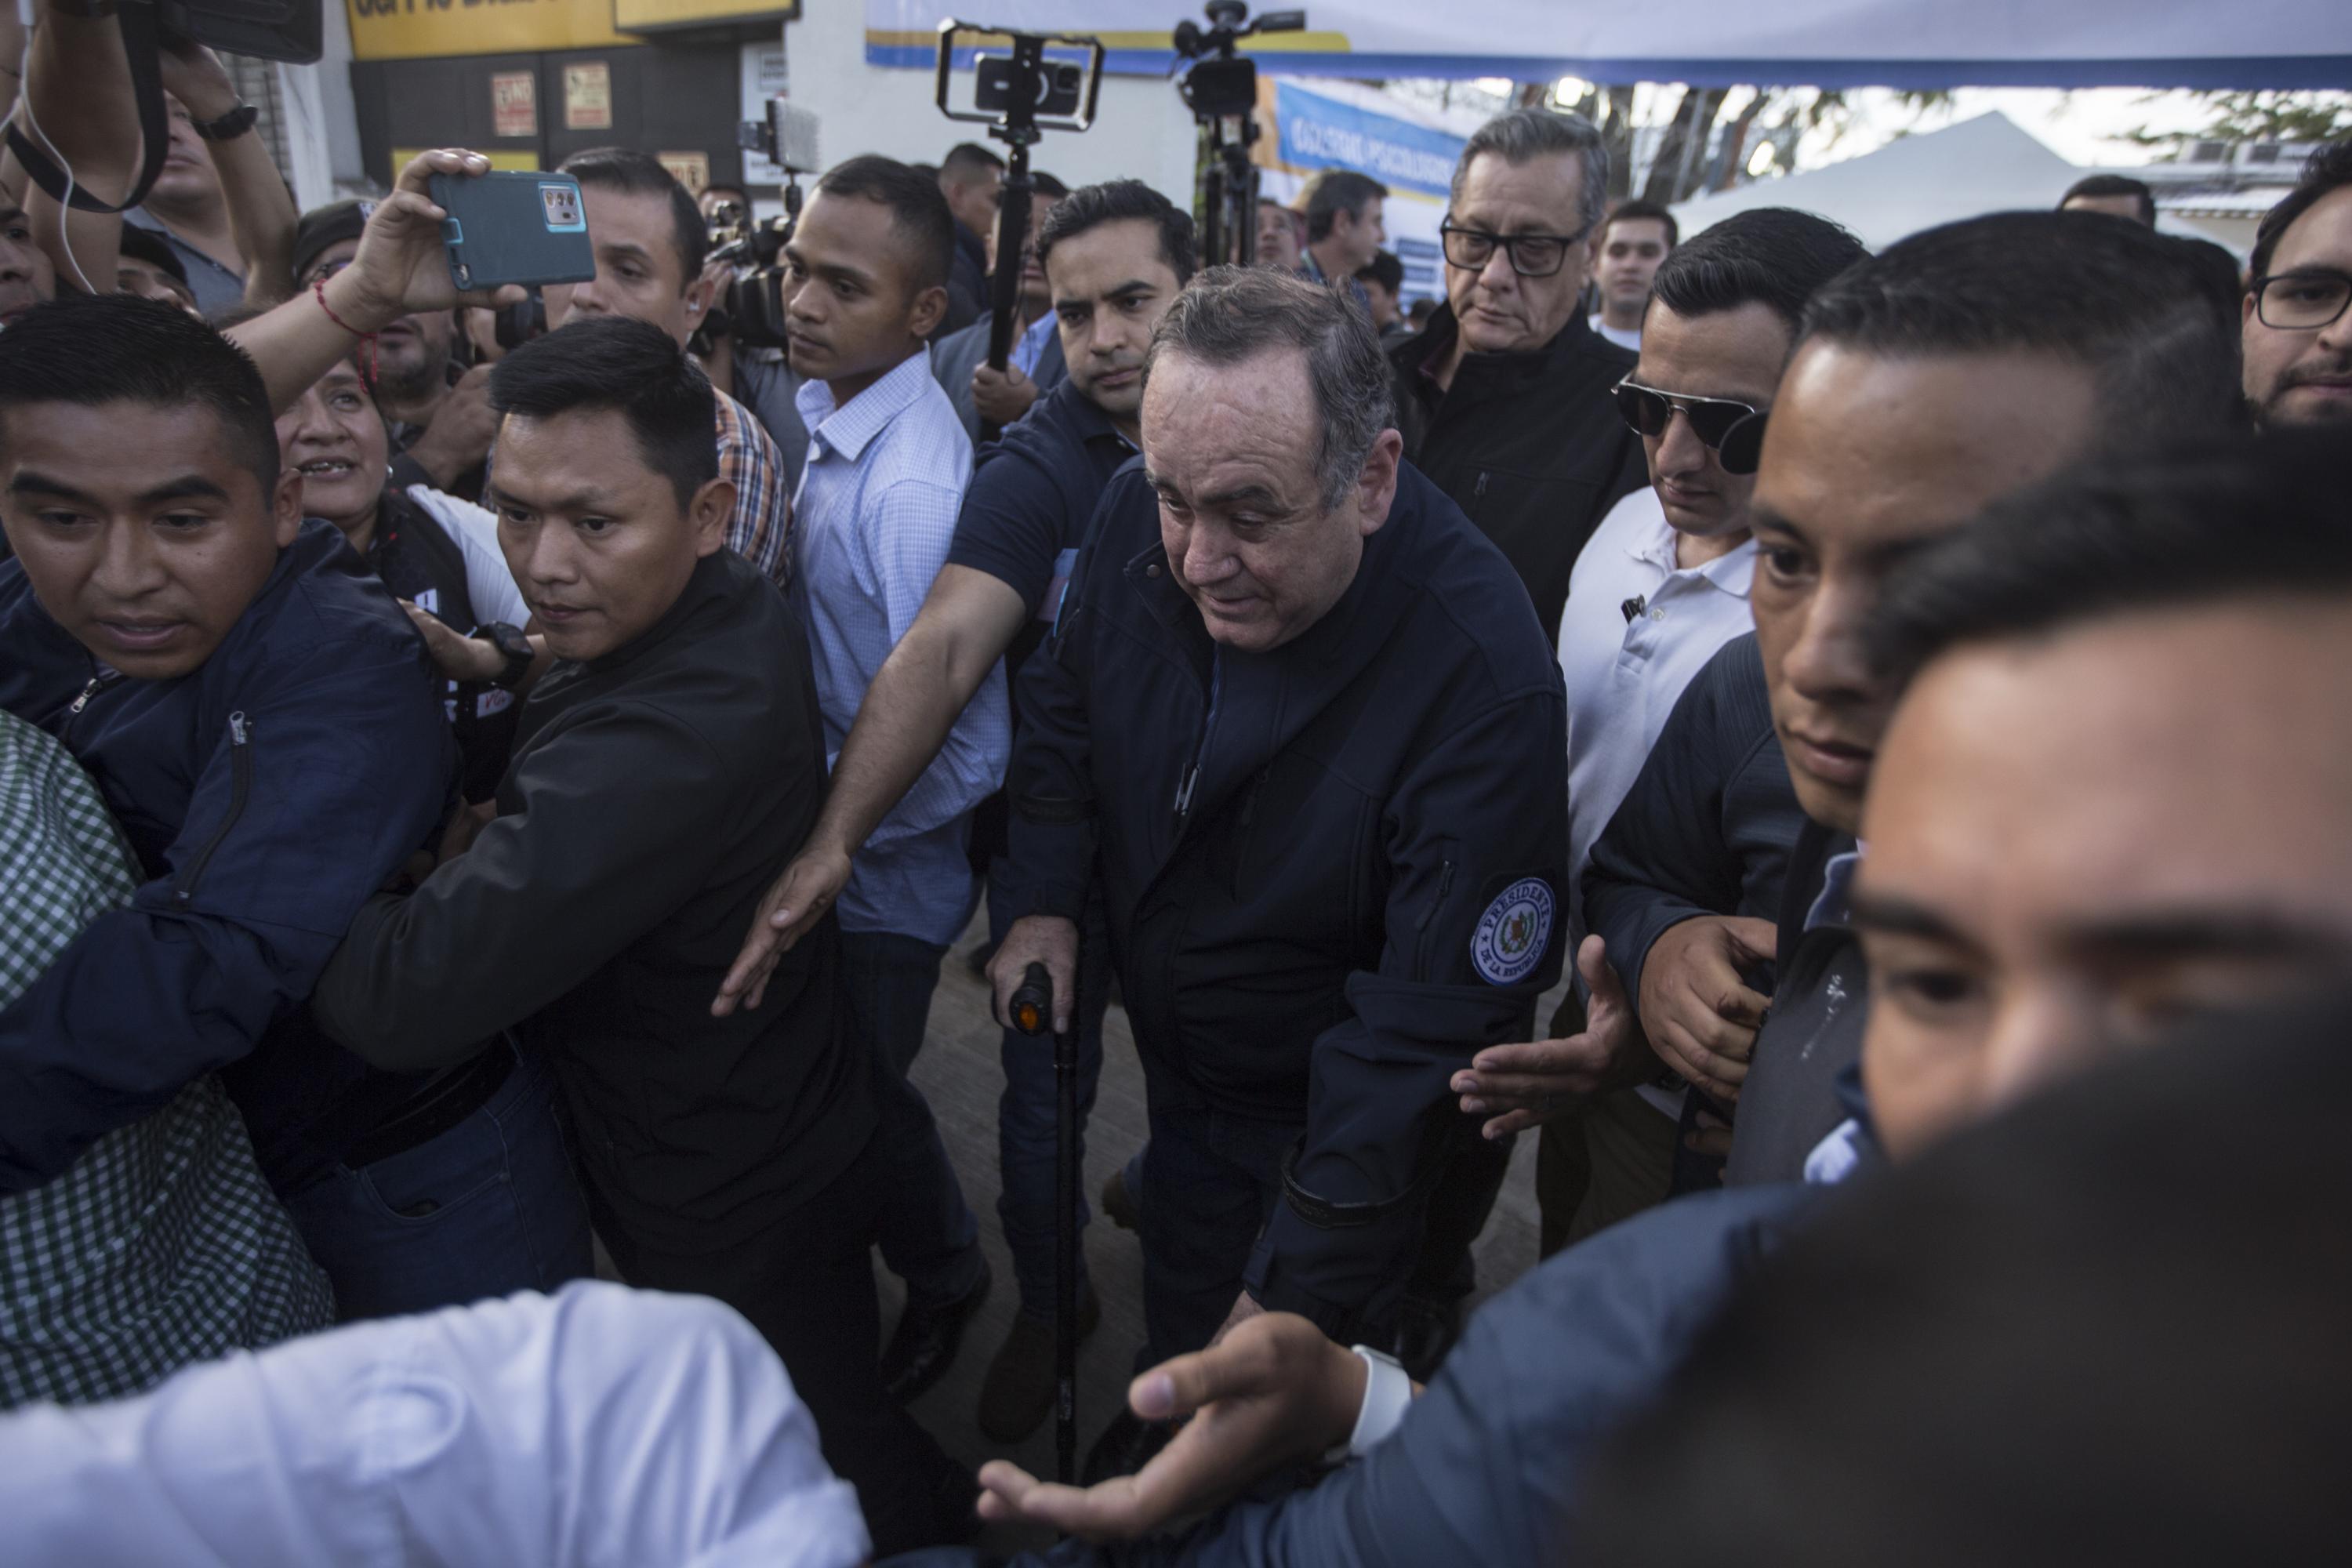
[[1033, 1013]]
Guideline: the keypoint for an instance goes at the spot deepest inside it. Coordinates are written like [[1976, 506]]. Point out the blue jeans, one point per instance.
[[1210, 1181], [489, 1207], [928, 1238], [1026, 1115]]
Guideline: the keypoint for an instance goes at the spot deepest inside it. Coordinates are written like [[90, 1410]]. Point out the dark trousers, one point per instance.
[[1210, 1180], [806, 1283], [1027, 1116], [928, 1235], [486, 1208]]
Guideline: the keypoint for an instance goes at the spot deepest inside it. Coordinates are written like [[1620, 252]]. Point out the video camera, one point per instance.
[[1220, 90], [753, 308]]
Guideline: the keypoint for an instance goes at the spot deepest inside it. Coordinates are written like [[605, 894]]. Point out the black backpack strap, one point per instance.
[[141, 42]]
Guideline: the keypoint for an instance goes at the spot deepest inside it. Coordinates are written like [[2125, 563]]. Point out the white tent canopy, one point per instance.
[[1979, 166]]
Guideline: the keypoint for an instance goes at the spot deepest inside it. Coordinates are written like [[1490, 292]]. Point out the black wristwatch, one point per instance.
[[510, 641], [229, 126]]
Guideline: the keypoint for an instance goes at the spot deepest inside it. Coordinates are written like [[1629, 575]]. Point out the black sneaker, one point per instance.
[[923, 1346]]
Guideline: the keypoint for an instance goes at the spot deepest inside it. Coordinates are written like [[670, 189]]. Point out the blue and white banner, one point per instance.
[[1312, 131], [1719, 43]]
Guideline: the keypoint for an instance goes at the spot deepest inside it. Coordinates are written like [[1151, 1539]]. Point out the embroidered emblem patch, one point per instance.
[[1513, 931]]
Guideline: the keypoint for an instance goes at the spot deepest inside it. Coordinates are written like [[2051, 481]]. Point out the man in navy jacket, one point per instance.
[[264, 722], [1300, 718]]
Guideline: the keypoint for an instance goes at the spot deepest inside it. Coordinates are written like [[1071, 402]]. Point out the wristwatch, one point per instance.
[[229, 126], [510, 641]]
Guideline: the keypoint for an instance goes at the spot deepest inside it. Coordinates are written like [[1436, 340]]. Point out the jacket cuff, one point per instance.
[[1640, 933]]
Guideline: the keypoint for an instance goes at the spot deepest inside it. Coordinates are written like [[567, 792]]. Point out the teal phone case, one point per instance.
[[514, 228]]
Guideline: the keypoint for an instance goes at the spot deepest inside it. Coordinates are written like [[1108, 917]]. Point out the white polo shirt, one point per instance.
[[1625, 671]]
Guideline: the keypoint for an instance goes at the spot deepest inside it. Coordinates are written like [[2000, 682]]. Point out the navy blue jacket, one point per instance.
[[267, 795], [1333, 871], [1710, 824]]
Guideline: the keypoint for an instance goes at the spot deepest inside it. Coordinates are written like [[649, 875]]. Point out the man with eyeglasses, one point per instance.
[[1504, 399], [2298, 329]]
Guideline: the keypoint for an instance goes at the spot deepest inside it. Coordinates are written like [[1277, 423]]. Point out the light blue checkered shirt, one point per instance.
[[872, 522]]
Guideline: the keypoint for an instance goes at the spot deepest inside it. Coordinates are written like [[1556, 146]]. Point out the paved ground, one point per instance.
[[958, 1071]]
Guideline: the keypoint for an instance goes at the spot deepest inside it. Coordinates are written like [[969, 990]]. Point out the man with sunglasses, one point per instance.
[[2298, 310], [1504, 399], [1661, 587]]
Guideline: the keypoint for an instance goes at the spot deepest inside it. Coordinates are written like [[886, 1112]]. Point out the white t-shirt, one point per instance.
[[488, 584], [599, 1426], [1623, 339]]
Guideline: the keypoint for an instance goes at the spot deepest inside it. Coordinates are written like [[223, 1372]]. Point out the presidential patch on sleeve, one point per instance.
[[1513, 931]]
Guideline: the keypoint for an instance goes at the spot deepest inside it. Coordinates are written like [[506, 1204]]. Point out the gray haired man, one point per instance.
[[1300, 717], [1504, 401]]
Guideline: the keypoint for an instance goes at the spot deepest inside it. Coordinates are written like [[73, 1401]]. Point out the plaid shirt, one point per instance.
[[763, 523], [161, 1244]]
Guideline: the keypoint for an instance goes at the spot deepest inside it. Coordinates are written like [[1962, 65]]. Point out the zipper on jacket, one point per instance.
[[240, 775], [1191, 779], [1480, 487], [97, 683]]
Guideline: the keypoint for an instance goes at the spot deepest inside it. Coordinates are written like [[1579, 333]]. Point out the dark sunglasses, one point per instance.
[[1734, 432]]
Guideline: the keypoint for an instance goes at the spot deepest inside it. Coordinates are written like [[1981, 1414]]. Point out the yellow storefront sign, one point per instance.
[[655, 16], [425, 29]]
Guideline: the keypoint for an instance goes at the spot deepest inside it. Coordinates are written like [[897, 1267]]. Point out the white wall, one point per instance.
[[1141, 131]]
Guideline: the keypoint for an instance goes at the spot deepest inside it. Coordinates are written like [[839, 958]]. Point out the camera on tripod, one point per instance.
[[1221, 83]]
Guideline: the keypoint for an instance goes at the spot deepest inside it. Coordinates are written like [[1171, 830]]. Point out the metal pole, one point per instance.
[[1032, 1011]]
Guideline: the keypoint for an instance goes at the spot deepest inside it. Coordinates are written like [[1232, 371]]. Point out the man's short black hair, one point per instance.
[[1774, 257], [2327, 169], [968, 161], [919, 213], [632, 366], [639, 173], [94, 349], [1384, 270], [1048, 185], [145, 245], [2247, 519], [1638, 209], [2145, 313], [2115, 186], [1122, 201], [1333, 192]]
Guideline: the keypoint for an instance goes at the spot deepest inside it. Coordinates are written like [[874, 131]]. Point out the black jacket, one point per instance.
[[1332, 871], [268, 794], [1708, 828], [967, 283], [654, 794], [1820, 1000], [1530, 445]]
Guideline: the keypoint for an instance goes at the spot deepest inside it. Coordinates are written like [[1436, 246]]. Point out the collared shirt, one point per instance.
[[1032, 343], [1312, 270], [1636, 630], [878, 507], [599, 1426], [215, 287], [760, 530]]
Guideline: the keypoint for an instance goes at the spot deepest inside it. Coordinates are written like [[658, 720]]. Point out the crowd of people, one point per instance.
[[484, 775]]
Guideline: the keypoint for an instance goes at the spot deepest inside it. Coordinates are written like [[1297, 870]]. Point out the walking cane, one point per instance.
[[1033, 1013]]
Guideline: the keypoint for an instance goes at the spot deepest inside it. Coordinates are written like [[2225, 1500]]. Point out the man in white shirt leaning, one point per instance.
[[1659, 589]]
